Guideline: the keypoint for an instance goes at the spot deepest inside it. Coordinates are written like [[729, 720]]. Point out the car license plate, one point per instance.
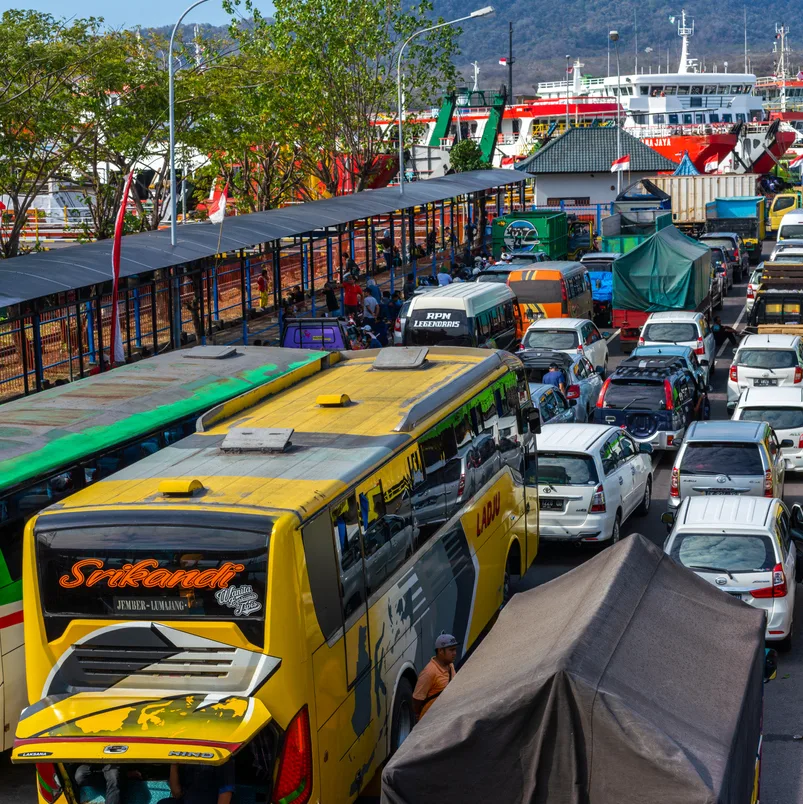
[[710, 492], [764, 383], [737, 595], [550, 504]]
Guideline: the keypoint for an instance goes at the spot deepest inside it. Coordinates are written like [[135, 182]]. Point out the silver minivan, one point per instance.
[[732, 457]]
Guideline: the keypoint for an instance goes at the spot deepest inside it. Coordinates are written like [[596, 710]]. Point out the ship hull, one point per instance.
[[701, 148]]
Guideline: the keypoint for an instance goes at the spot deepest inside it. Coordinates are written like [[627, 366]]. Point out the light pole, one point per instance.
[[172, 103], [567, 91], [614, 37], [481, 12]]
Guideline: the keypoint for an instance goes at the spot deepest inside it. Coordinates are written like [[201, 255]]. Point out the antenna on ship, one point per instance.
[[476, 67], [684, 32], [781, 50]]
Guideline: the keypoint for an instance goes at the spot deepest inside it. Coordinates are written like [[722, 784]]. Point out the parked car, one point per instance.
[[683, 328], [591, 478], [552, 404], [494, 273], [765, 361], [583, 383], [654, 398], [782, 409], [746, 547], [401, 322], [716, 458], [735, 249], [685, 353], [723, 268], [787, 251], [753, 285], [570, 335]]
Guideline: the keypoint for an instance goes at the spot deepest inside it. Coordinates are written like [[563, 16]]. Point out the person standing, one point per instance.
[[262, 287], [89, 775], [555, 377], [436, 675], [444, 277], [351, 264], [370, 309], [409, 286], [201, 784], [372, 288], [352, 296], [332, 302]]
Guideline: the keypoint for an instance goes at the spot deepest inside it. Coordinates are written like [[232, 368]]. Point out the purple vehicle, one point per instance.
[[331, 334]]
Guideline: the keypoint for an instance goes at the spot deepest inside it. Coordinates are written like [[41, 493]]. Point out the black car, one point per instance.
[[735, 249], [655, 398]]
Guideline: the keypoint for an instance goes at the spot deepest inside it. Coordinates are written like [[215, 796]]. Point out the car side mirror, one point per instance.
[[645, 449], [704, 362], [787, 442], [600, 370], [572, 402], [668, 518], [606, 335]]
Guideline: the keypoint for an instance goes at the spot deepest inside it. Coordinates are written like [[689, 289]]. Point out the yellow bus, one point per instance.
[[266, 590]]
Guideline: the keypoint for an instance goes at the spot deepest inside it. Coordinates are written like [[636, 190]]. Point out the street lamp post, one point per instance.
[[614, 37], [567, 91], [172, 103], [481, 12]]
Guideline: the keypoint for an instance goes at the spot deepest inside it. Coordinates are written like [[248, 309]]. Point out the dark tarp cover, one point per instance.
[[668, 271], [627, 680]]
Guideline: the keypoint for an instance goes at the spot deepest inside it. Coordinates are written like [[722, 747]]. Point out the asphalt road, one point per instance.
[[782, 773]]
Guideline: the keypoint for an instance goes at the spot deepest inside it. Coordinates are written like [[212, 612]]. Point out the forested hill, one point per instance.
[[545, 31]]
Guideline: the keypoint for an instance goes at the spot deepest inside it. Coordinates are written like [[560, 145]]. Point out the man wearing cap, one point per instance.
[[436, 675], [555, 377], [370, 339]]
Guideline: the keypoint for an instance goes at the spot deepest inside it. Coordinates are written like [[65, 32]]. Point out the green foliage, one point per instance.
[[467, 155]]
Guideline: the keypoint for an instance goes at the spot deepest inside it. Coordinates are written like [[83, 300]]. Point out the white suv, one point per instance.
[[685, 329], [570, 335], [765, 361], [746, 547], [591, 478]]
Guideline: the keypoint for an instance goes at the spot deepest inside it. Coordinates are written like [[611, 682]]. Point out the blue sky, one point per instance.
[[128, 14]]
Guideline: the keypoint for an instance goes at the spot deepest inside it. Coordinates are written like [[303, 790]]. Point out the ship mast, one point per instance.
[[781, 50], [684, 32]]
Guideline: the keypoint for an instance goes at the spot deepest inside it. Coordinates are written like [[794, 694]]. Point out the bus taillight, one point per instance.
[[294, 782]]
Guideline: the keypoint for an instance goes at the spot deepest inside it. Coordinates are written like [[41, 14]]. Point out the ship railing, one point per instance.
[[674, 129]]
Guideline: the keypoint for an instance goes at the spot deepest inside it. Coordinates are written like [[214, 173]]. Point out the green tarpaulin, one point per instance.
[[668, 271]]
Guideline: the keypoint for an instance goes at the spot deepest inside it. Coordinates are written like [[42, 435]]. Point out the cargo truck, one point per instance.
[[784, 202], [668, 271], [744, 215], [690, 194], [531, 230], [778, 305]]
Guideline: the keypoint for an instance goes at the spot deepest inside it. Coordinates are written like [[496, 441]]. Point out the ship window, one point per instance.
[[670, 90], [714, 117], [696, 102], [640, 118], [723, 89], [697, 90], [673, 119], [658, 118], [699, 118], [516, 126], [686, 119], [727, 118], [644, 90], [682, 90], [740, 118], [736, 89], [710, 89]]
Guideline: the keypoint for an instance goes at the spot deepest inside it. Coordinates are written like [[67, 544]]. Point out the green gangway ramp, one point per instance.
[[490, 133], [444, 120]]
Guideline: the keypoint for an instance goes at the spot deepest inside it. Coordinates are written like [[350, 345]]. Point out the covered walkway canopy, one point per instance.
[[34, 276]]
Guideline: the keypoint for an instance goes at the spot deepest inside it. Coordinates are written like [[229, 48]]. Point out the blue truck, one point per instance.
[[744, 215]]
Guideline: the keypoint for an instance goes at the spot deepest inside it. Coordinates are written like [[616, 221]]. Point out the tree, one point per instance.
[[467, 155], [41, 115], [341, 57]]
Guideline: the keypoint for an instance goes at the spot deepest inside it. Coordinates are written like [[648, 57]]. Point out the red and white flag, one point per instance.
[[217, 209], [797, 162], [621, 164], [503, 61], [711, 164], [116, 354]]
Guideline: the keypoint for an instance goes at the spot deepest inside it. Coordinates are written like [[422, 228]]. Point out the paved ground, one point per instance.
[[782, 776]]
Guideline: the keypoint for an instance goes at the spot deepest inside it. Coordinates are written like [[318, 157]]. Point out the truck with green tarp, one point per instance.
[[745, 215], [544, 230], [668, 271], [623, 231]]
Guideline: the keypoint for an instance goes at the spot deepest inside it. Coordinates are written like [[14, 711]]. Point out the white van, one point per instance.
[[791, 226], [463, 314]]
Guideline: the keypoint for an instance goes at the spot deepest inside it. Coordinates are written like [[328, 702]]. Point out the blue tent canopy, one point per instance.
[[686, 167]]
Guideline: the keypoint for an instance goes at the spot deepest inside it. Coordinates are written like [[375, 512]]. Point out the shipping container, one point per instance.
[[531, 230]]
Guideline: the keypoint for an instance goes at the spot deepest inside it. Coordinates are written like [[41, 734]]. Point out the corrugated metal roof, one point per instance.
[[592, 150], [35, 275]]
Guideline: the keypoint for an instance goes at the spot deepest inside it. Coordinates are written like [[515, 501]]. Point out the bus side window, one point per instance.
[[345, 523], [322, 570], [429, 501]]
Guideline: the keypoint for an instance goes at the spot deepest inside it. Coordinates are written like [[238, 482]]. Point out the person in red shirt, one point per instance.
[[352, 296]]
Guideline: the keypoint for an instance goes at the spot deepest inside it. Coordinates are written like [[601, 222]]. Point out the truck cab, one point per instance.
[[781, 204]]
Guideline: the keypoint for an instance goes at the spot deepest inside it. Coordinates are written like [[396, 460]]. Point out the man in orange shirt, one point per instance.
[[436, 675]]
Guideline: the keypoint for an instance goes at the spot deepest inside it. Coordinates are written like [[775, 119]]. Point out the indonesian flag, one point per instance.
[[621, 164], [799, 75], [503, 61], [797, 162], [217, 209], [711, 164], [116, 341]]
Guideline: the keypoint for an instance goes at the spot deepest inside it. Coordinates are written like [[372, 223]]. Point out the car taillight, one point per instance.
[[461, 484], [598, 501], [751, 293], [700, 348], [601, 397], [48, 782], [520, 347], [397, 325], [669, 402], [641, 340], [800, 441], [768, 489], [294, 782], [734, 372], [736, 254], [674, 483], [778, 588], [798, 374], [573, 392]]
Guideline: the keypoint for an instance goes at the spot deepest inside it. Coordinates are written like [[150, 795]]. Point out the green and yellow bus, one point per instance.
[[267, 590], [63, 439]]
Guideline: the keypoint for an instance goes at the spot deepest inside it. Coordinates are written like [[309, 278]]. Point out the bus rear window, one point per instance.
[[438, 328], [537, 291], [143, 572]]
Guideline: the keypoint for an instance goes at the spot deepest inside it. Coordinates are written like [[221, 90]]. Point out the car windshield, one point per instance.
[[720, 242], [566, 469], [636, 395], [670, 333], [605, 266], [721, 458], [777, 418], [766, 358], [790, 231], [717, 256], [731, 552], [556, 339]]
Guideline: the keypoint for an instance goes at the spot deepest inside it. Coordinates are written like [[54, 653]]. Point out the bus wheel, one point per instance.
[[512, 571], [403, 717]]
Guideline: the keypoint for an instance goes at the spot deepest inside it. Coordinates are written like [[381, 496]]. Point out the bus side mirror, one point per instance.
[[534, 420], [668, 518]]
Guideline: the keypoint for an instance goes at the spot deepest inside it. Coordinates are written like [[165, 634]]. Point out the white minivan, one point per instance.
[[746, 547], [685, 328], [791, 226], [591, 478], [765, 361]]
